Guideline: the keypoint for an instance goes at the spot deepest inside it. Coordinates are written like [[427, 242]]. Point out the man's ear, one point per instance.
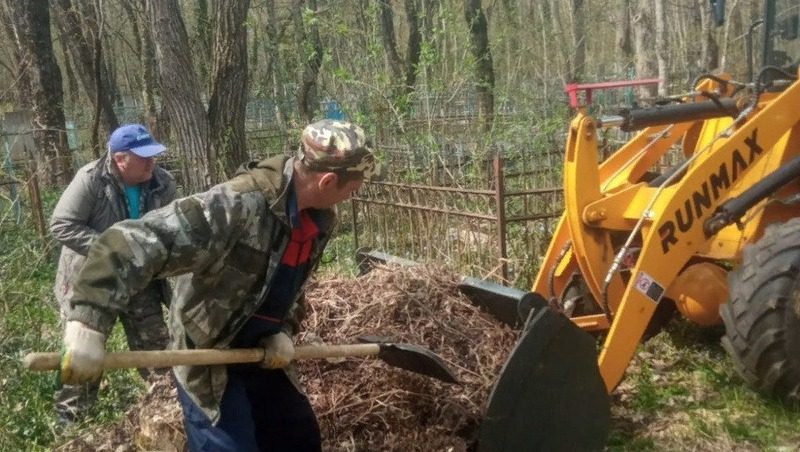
[[327, 180], [119, 157]]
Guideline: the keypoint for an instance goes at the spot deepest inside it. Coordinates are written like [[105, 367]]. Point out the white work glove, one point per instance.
[[278, 351], [83, 354]]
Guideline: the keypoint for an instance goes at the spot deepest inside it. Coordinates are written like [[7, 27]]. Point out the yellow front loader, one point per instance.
[[713, 234], [724, 222]]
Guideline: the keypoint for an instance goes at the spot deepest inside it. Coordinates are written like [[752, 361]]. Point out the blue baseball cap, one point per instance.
[[135, 138]]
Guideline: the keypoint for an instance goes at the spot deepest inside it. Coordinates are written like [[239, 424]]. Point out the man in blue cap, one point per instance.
[[124, 184]]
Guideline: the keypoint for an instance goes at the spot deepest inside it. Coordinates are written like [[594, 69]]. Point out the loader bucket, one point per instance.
[[549, 395], [507, 304]]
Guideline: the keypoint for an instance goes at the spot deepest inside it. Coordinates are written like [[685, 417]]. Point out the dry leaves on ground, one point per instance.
[[362, 403]]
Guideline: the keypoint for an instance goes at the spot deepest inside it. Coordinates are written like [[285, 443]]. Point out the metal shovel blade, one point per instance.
[[550, 395], [416, 359]]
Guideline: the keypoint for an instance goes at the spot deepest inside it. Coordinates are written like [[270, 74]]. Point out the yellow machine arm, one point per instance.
[[623, 242]]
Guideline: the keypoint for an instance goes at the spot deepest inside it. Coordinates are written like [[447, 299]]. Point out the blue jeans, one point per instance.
[[261, 410]]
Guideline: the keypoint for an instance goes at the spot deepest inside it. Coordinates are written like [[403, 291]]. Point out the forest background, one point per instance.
[[441, 85], [222, 82], [201, 72]]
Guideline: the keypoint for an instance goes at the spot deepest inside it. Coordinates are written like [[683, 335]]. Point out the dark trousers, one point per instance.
[[261, 410]]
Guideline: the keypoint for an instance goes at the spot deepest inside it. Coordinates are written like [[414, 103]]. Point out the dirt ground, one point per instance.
[[365, 405], [362, 403]]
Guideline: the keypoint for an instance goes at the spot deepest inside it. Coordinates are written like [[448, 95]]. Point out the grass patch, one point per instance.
[[651, 396], [339, 256], [620, 441], [681, 393], [29, 321]]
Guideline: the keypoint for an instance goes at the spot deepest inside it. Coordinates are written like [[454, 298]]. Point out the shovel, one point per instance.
[[405, 356]]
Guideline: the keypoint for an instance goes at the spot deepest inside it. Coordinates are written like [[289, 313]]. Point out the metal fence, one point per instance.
[[487, 210], [496, 233]]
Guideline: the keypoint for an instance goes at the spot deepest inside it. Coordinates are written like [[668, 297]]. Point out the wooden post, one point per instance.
[[500, 204], [354, 217], [36, 205]]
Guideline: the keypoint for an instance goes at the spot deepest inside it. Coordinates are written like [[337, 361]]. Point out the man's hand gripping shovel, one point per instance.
[[405, 356]]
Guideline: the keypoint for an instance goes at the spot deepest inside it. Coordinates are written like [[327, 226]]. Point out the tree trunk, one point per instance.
[[404, 74], [203, 29], [253, 61], [484, 67], [31, 23], [661, 47], [83, 40], [157, 121], [275, 69], [721, 55], [73, 94], [311, 53], [558, 34], [386, 20], [578, 42], [181, 93], [709, 51], [226, 108], [624, 49], [145, 77], [543, 11], [19, 70], [642, 25], [414, 46]]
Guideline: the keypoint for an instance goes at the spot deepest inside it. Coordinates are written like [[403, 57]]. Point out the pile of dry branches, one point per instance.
[[362, 403]]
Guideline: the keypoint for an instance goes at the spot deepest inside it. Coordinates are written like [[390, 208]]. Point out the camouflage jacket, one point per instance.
[[225, 244], [93, 201]]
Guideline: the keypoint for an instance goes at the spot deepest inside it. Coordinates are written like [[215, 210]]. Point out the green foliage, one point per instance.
[[29, 321], [26, 324], [340, 255], [342, 74], [681, 391], [310, 17], [429, 55]]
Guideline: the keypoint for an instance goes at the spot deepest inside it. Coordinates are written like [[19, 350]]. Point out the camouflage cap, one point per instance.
[[338, 146]]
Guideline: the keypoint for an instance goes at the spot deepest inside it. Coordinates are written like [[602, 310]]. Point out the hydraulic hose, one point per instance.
[[637, 119]]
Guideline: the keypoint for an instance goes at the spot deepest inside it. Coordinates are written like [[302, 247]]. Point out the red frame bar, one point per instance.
[[572, 89]]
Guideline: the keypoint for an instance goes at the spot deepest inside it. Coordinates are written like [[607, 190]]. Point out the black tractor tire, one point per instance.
[[762, 316]]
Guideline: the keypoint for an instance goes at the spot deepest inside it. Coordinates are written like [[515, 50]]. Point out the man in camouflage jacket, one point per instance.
[[243, 251], [96, 198]]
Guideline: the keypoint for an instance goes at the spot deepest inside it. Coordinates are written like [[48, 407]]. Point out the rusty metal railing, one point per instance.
[[493, 233]]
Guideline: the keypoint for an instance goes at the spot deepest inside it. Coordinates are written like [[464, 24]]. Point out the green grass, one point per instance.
[[650, 396], [680, 391], [29, 321], [339, 257]]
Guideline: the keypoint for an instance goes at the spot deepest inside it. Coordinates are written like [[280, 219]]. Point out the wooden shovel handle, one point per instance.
[[41, 361]]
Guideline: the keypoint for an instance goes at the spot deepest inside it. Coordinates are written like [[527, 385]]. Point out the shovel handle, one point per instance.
[[42, 361]]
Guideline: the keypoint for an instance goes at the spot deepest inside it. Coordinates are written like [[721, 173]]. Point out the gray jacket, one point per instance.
[[93, 201]]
